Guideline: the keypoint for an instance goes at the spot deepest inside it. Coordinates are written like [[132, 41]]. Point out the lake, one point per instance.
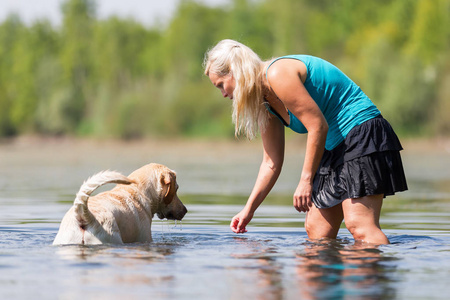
[[200, 258]]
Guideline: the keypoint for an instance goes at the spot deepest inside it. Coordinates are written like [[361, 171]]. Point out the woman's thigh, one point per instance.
[[362, 219], [323, 222], [363, 212]]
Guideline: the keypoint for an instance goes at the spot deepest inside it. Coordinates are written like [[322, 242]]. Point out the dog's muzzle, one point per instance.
[[173, 215]]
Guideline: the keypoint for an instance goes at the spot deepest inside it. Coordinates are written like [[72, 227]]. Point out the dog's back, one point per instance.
[[75, 222]]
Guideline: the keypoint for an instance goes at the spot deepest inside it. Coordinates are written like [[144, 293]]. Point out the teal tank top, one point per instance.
[[341, 101]]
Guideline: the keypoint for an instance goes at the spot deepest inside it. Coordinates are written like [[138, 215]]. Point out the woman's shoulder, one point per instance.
[[286, 66]]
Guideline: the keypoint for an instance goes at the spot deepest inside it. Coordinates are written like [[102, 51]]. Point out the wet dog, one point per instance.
[[123, 214]]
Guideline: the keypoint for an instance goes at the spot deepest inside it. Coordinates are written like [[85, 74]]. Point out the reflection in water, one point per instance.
[[116, 270], [324, 269], [266, 280], [334, 269], [85, 253]]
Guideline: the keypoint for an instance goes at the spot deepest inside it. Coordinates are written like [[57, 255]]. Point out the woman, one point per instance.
[[352, 158]]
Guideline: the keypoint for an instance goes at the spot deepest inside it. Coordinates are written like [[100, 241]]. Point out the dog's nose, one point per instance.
[[176, 215], [182, 213]]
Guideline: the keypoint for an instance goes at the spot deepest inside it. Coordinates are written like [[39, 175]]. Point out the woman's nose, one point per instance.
[[224, 94]]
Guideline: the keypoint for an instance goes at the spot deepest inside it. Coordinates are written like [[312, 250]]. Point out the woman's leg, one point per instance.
[[323, 222], [362, 218]]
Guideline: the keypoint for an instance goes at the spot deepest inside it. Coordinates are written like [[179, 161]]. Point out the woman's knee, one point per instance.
[[370, 234], [323, 223], [317, 231], [362, 215], [365, 230], [357, 229], [309, 230]]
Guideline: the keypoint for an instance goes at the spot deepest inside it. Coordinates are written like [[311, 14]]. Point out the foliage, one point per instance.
[[118, 78]]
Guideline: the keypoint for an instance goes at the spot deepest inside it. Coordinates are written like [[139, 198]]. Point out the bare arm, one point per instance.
[[273, 144], [285, 78]]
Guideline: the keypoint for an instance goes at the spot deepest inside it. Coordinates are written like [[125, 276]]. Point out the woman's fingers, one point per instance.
[[237, 225], [302, 197], [303, 203], [234, 224]]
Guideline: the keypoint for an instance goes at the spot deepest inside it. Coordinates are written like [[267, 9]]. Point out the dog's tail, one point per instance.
[[89, 186]]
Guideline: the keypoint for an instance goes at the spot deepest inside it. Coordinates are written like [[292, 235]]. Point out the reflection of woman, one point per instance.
[[352, 155], [357, 271]]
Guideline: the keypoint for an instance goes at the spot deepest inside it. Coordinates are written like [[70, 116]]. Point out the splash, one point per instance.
[[166, 227], [163, 226]]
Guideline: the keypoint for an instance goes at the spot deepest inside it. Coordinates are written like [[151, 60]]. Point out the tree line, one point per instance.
[[118, 78]]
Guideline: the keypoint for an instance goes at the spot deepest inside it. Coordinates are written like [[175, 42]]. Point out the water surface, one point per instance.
[[201, 258]]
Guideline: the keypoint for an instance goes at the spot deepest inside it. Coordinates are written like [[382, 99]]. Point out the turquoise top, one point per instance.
[[341, 101]]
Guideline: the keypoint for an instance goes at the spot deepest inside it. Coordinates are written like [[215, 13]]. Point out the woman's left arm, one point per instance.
[[285, 77]]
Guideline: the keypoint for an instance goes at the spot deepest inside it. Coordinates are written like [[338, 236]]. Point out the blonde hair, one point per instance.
[[229, 57]]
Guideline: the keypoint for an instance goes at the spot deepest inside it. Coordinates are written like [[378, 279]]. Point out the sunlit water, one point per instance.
[[201, 258]]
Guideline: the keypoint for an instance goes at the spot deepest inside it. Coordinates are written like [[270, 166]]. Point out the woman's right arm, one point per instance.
[[273, 143]]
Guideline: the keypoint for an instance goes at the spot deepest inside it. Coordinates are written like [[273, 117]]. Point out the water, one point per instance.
[[201, 258]]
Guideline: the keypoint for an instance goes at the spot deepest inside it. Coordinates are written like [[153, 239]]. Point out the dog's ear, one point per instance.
[[168, 183]]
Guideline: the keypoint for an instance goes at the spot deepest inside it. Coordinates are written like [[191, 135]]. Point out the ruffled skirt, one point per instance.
[[366, 163]]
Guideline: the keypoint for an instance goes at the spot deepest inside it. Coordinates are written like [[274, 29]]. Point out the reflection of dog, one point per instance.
[[124, 214]]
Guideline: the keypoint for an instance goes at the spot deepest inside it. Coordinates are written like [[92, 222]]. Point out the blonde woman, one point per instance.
[[352, 158]]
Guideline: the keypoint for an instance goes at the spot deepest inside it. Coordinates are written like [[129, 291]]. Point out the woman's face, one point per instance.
[[225, 84]]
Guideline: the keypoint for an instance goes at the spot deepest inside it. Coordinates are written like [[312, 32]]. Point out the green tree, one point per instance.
[[10, 30], [76, 61], [117, 78]]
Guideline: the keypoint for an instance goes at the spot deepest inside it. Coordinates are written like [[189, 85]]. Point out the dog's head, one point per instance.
[[159, 184]]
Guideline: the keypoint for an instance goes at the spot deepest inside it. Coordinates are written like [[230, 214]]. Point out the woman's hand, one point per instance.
[[240, 221], [302, 196]]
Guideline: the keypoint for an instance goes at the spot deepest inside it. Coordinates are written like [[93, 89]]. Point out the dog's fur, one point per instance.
[[124, 214]]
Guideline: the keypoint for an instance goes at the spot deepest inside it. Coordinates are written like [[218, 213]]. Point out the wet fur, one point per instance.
[[124, 214]]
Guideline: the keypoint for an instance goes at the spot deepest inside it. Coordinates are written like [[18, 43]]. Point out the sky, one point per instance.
[[149, 12]]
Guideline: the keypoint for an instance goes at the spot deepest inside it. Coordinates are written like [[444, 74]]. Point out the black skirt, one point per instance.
[[366, 163]]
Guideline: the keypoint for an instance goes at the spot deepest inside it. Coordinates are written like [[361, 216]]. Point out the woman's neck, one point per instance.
[[266, 84]]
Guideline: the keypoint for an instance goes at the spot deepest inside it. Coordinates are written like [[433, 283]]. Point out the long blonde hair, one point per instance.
[[229, 57]]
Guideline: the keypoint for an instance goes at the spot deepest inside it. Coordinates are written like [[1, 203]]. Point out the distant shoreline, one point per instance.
[[413, 145]]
